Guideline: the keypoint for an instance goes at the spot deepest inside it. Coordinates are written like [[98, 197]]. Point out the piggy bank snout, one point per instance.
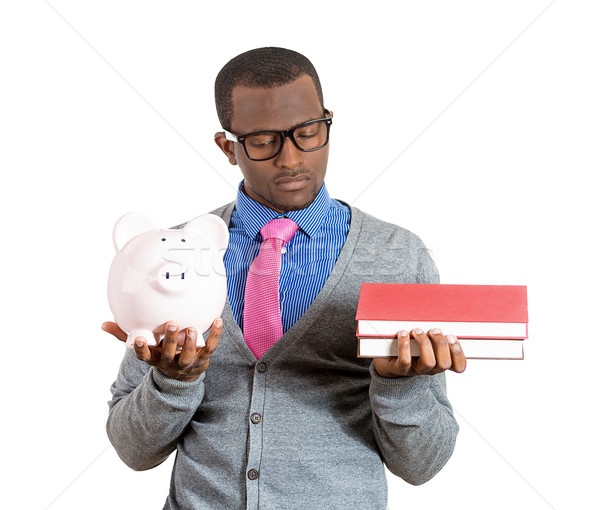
[[172, 277]]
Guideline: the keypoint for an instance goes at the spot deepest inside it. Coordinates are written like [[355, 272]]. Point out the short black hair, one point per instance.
[[261, 67]]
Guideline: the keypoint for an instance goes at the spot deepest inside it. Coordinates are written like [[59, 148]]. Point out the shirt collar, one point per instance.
[[255, 216]]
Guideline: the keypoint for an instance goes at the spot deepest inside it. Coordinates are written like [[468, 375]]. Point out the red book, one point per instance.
[[466, 311]]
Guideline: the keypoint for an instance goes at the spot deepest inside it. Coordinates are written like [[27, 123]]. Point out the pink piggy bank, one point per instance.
[[167, 275]]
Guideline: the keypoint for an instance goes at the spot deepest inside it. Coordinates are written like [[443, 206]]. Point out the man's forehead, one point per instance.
[[280, 107]]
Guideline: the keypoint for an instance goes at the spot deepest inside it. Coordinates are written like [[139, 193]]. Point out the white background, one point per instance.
[[472, 123]]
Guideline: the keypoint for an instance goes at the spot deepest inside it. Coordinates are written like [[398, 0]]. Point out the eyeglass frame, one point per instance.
[[285, 133]]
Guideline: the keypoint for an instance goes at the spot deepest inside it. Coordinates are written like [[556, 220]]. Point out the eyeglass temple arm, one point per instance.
[[230, 136]]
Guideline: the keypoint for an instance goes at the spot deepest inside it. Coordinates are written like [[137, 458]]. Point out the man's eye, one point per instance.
[[306, 133], [262, 142]]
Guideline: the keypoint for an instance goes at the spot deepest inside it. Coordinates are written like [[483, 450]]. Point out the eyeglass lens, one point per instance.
[[308, 137]]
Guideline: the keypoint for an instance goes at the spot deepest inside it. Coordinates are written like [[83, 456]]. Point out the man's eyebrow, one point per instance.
[[285, 129]]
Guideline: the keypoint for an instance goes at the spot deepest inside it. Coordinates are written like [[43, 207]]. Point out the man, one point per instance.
[[301, 423]]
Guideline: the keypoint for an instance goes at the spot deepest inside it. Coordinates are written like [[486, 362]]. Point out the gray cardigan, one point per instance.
[[309, 424]]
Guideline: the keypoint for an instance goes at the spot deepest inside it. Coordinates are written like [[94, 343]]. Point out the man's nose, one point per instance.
[[290, 156]]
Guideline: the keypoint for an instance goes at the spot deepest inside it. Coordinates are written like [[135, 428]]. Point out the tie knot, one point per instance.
[[279, 228]]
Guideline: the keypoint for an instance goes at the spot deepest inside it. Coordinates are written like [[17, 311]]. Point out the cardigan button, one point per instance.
[[255, 418], [261, 367], [253, 474]]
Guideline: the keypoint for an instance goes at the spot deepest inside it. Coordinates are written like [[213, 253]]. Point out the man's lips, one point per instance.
[[292, 183]]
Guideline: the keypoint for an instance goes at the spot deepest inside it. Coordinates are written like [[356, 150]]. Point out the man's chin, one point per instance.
[[286, 202], [291, 201], [287, 207]]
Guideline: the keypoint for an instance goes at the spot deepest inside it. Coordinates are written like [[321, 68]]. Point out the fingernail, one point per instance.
[[139, 343], [418, 331], [403, 333], [218, 323], [436, 331], [451, 339], [172, 327], [192, 333]]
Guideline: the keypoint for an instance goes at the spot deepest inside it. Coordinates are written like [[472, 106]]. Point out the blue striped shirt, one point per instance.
[[308, 259]]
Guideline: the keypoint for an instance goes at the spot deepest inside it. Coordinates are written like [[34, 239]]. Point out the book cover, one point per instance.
[[466, 311]]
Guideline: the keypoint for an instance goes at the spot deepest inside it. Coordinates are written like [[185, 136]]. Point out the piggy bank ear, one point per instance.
[[210, 227], [130, 226]]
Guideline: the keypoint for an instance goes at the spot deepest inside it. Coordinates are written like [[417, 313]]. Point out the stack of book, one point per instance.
[[490, 321]]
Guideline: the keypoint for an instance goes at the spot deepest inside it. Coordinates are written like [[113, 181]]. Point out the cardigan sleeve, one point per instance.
[[148, 412], [413, 422]]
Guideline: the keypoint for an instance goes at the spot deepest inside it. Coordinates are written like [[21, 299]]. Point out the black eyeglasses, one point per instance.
[[309, 136]]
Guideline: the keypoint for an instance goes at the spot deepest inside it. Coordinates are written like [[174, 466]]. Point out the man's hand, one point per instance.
[[185, 364], [438, 354]]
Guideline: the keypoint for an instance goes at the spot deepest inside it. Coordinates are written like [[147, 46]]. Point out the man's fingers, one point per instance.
[[426, 362], [115, 330], [213, 338], [185, 362], [441, 349], [438, 353], [203, 355], [188, 351], [404, 360], [169, 343], [140, 347], [459, 362]]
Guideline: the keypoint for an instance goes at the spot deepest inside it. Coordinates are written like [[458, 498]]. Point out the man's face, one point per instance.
[[292, 179]]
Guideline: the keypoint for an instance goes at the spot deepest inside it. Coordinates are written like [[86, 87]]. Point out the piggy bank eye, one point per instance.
[[163, 239], [183, 240]]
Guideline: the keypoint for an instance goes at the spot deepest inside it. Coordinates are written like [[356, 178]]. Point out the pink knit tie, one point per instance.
[[262, 314]]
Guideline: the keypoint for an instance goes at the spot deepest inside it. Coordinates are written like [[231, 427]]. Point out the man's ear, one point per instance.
[[226, 146]]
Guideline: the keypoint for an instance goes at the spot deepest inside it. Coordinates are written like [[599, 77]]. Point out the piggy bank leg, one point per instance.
[[134, 333]]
